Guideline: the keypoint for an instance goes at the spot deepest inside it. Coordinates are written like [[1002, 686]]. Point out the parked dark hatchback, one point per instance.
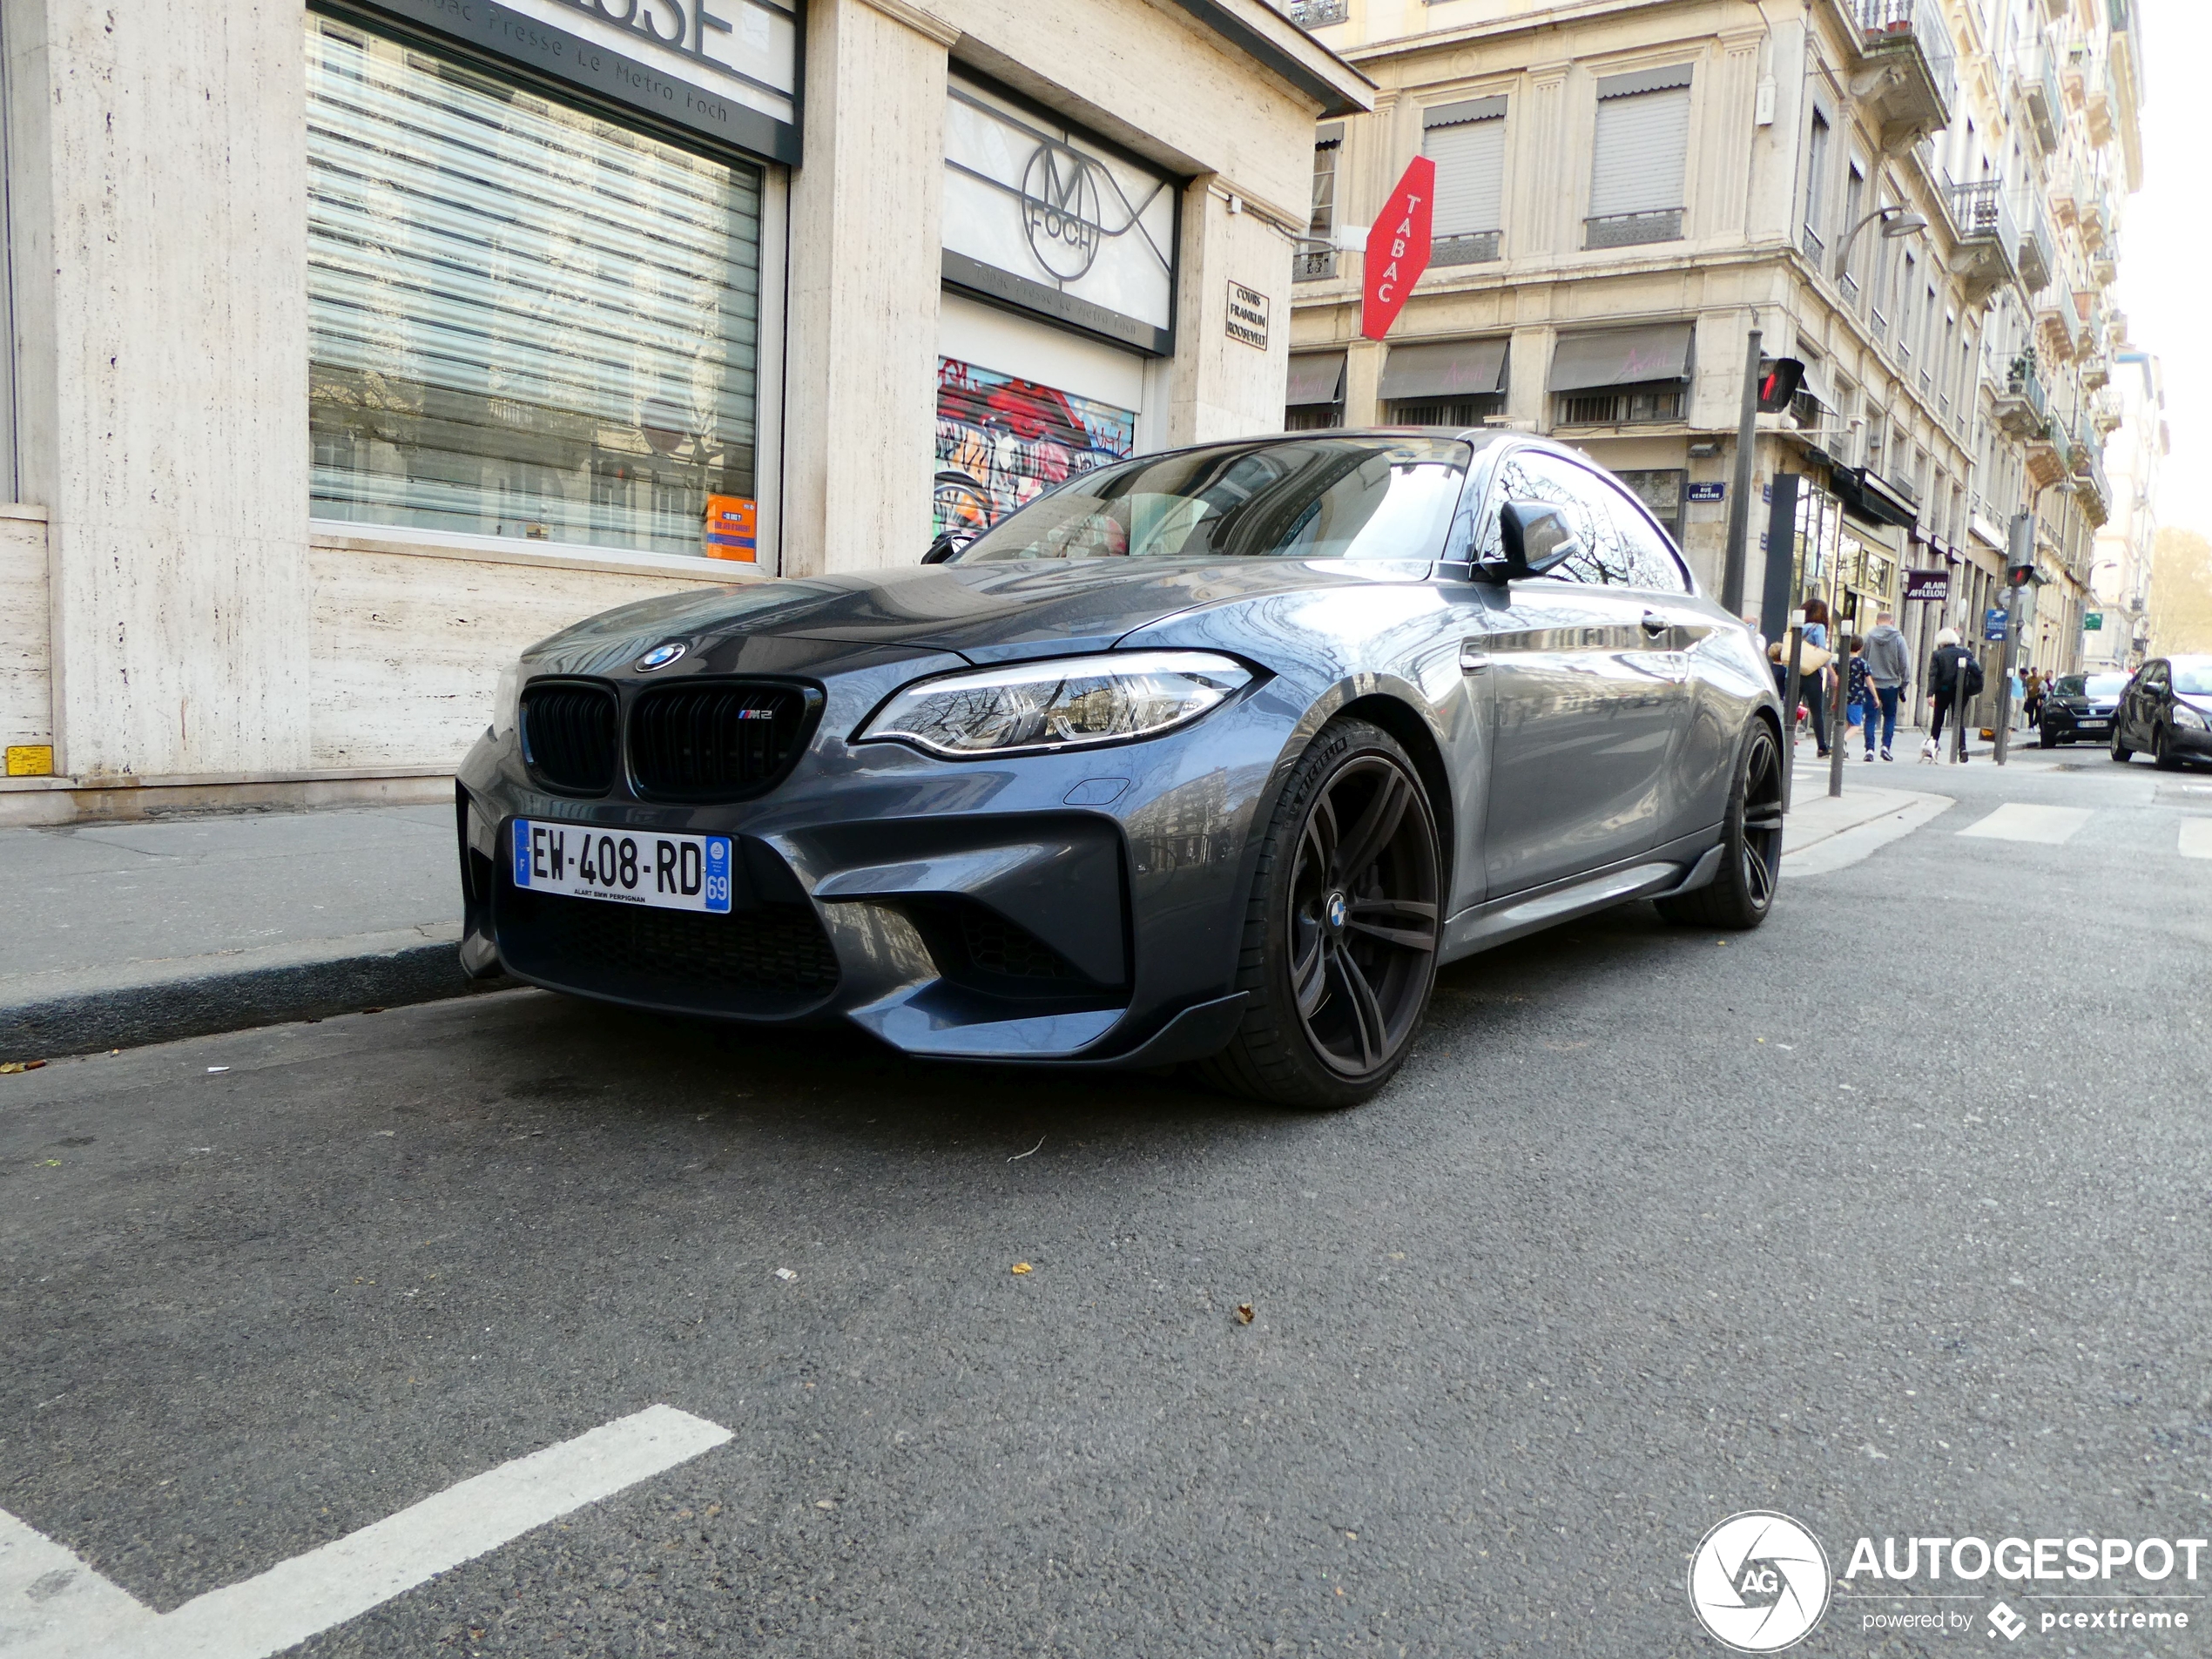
[[2166, 711], [2080, 707]]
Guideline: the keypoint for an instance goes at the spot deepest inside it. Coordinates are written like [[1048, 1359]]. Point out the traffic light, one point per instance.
[[1779, 379], [2018, 575]]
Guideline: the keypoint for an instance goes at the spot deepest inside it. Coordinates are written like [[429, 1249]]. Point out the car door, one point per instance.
[[1700, 766], [2140, 707], [1585, 700]]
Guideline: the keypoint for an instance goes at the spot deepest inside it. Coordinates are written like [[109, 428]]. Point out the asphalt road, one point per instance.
[[1892, 1216]]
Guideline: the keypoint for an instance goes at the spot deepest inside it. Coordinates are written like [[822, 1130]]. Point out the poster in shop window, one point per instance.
[[1002, 441]]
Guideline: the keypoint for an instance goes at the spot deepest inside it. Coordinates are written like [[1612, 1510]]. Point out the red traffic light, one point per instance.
[[1779, 381]]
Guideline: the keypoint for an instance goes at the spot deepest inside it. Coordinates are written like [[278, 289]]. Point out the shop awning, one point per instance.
[[1622, 357], [1444, 369], [1879, 502], [1315, 377]]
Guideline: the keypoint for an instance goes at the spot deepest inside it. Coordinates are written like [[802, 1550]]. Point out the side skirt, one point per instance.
[[1671, 870]]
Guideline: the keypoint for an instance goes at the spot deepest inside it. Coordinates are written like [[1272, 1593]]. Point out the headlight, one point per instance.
[[2190, 720], [1073, 704], [504, 701]]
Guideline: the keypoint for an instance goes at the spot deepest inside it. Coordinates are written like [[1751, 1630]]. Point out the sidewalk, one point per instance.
[[1824, 832], [127, 933]]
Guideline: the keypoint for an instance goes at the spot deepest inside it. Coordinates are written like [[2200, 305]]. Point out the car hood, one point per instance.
[[991, 612], [2202, 705]]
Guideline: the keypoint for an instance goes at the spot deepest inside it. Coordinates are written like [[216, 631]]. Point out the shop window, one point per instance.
[[1622, 405], [524, 319], [1002, 441], [1461, 412]]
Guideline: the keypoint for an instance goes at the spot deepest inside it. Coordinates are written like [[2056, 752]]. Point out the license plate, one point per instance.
[[2094, 725], [666, 872]]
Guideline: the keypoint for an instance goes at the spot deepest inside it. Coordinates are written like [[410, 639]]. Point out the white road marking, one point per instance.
[[54, 1607], [2196, 838], [2016, 822]]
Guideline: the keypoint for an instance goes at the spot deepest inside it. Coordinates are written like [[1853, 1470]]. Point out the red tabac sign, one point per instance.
[[1398, 247]]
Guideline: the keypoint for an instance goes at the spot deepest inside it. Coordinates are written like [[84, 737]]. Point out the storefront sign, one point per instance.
[[724, 67], [1044, 217], [1247, 315], [2093, 622], [1398, 247], [1927, 585], [1709, 492]]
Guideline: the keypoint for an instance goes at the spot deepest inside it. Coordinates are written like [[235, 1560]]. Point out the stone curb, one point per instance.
[[47, 1017]]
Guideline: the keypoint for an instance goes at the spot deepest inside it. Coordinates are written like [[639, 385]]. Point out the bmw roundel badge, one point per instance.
[[660, 657]]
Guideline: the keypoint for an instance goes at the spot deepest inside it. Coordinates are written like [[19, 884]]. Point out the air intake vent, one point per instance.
[[717, 739], [568, 735]]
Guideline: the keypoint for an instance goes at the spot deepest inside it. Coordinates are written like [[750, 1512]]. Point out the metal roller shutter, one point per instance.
[[1642, 153], [1470, 175]]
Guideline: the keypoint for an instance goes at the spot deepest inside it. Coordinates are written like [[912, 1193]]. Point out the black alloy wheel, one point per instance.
[[1742, 894], [1342, 929]]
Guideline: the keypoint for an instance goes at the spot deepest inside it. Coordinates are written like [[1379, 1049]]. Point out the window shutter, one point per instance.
[[1470, 176], [1641, 151]]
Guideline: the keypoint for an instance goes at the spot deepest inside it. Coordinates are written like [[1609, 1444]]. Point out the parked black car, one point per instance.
[[2080, 707], [1213, 757], [2167, 710]]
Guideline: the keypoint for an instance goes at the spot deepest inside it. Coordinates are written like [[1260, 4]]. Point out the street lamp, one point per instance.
[[1896, 222]]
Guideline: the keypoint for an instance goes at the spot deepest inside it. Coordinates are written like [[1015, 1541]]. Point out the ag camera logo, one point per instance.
[[1759, 1582]]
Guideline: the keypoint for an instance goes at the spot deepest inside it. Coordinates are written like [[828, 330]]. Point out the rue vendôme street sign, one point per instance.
[[1398, 247]]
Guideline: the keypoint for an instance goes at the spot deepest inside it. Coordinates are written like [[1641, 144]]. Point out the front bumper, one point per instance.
[[1082, 907]]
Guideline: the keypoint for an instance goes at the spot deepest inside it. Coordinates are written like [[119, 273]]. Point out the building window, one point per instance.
[[1467, 142], [1816, 245], [1854, 209], [1313, 262], [1467, 411], [1659, 402], [1640, 158], [524, 320]]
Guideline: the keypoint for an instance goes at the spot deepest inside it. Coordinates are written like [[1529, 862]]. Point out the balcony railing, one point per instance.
[[1979, 209], [1816, 250], [1465, 247], [1316, 14], [2046, 102], [2039, 256], [1628, 230], [1891, 24]]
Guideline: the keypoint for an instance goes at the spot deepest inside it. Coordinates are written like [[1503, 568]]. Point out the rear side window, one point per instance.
[[1621, 548]]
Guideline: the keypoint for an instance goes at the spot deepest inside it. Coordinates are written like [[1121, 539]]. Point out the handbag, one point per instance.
[[1811, 659]]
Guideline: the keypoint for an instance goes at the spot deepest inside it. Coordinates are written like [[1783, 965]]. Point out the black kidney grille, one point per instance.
[[568, 736], [714, 740]]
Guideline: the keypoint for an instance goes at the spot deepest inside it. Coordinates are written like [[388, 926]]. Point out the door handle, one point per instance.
[[1473, 659], [1654, 624]]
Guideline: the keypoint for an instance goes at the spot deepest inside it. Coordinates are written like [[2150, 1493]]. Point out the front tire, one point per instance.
[[2161, 753], [2044, 738], [1742, 894], [2120, 751], [1341, 929]]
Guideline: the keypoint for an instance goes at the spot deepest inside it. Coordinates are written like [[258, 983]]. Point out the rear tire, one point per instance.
[[1742, 894], [1341, 930]]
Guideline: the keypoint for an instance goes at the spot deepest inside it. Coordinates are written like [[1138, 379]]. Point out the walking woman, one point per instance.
[[1811, 688]]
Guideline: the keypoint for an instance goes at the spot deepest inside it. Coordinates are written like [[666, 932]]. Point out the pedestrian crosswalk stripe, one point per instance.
[[2016, 822], [2196, 838]]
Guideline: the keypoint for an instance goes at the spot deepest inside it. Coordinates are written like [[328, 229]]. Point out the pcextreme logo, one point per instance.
[[1758, 1582]]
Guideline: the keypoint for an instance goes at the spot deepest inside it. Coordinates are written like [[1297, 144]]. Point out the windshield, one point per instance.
[[2091, 686], [1306, 498], [2193, 682]]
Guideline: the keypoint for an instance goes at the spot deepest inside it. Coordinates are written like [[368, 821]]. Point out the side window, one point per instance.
[[1533, 475], [1641, 550]]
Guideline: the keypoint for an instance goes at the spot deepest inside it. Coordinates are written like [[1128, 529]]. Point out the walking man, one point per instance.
[[1890, 666], [1952, 666]]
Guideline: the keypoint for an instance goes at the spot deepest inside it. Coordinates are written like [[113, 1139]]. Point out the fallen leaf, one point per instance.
[[1020, 1267], [1244, 1313]]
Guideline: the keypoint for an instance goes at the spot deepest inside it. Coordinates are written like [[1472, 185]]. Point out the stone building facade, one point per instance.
[[354, 346]]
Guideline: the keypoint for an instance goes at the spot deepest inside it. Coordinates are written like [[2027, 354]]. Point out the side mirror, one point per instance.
[[947, 546], [1533, 539]]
